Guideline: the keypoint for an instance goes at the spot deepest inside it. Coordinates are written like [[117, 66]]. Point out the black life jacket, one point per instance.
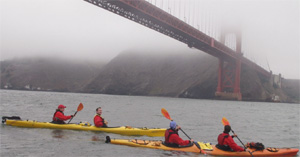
[[57, 120], [168, 133]]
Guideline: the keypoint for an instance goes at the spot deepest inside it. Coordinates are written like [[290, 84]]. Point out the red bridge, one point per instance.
[[230, 61]]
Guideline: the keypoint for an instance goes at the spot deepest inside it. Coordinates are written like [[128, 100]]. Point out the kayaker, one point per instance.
[[59, 117], [98, 120], [226, 142], [172, 138]]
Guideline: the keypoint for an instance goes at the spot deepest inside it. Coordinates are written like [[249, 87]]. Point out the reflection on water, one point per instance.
[[58, 134], [96, 138], [177, 153]]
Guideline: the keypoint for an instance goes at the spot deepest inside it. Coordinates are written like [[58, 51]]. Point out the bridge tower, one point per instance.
[[229, 71]]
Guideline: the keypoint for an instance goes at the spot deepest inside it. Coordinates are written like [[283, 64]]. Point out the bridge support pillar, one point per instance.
[[229, 75], [229, 80]]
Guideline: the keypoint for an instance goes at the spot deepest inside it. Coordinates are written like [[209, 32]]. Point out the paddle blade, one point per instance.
[[225, 121], [80, 107], [165, 113]]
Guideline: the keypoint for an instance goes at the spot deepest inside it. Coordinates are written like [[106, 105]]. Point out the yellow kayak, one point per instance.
[[123, 130]]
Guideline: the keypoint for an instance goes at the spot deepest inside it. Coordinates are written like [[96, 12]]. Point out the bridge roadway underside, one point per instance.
[[176, 31]]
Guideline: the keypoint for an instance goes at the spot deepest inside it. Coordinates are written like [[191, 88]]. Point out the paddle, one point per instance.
[[166, 114], [226, 122], [79, 108]]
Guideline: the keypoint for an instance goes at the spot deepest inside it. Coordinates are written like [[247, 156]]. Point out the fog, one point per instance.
[[76, 29]]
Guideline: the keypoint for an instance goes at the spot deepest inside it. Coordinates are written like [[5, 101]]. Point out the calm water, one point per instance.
[[273, 124]]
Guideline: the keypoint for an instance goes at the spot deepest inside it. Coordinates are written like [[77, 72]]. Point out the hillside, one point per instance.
[[176, 74], [50, 74], [291, 87], [153, 74]]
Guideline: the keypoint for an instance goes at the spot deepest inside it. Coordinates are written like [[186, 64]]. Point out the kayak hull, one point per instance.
[[153, 144], [206, 148], [265, 152], [123, 130]]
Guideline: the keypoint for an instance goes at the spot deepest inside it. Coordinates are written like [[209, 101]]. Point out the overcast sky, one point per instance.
[[77, 29]]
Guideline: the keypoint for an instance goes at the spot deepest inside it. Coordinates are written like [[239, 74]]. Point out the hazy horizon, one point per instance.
[[75, 29]]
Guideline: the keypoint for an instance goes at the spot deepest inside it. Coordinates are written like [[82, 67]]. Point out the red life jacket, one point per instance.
[[225, 142], [57, 120], [221, 138], [168, 133], [102, 120]]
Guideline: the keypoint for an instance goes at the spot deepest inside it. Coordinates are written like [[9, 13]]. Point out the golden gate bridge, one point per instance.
[[231, 60]]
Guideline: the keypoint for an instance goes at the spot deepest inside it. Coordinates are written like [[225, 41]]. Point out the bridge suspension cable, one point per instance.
[[191, 12]]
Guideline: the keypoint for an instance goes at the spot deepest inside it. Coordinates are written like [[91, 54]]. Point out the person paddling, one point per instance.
[[59, 117], [172, 138], [226, 142], [98, 120]]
